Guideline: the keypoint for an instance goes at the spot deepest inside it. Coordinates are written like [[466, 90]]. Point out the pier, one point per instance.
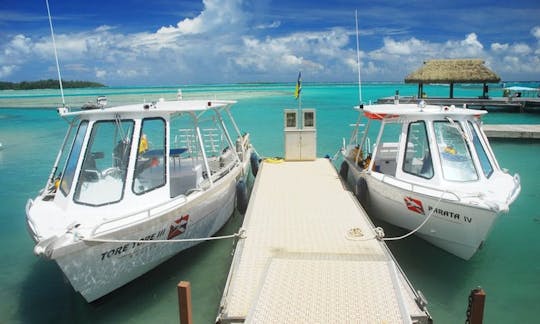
[[494, 104], [512, 131], [311, 255]]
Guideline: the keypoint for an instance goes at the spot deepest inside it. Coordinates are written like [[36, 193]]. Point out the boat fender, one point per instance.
[[361, 190], [254, 160], [344, 170], [241, 197]]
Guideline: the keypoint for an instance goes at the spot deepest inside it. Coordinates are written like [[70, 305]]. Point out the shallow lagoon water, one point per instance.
[[34, 290]]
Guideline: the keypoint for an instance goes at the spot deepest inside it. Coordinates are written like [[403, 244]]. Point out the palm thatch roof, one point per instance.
[[453, 71]]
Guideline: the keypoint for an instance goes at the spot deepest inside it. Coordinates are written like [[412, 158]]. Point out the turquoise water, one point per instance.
[[33, 290]]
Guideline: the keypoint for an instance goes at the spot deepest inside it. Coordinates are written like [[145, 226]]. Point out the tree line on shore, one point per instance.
[[47, 84]]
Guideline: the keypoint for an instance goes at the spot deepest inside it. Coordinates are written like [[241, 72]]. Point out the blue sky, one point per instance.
[[166, 42]]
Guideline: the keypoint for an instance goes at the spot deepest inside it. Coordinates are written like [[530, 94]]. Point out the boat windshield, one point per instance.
[[71, 162], [103, 172], [456, 160], [483, 156], [417, 160]]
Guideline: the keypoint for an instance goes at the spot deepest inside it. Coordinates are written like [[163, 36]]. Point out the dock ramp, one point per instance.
[[310, 256]]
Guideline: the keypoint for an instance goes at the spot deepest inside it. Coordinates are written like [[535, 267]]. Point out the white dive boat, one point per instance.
[[166, 171], [431, 171]]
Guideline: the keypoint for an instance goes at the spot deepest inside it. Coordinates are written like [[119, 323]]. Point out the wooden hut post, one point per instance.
[[451, 90]]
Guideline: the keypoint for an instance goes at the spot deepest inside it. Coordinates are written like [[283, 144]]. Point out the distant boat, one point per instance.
[[431, 171], [132, 174], [100, 103]]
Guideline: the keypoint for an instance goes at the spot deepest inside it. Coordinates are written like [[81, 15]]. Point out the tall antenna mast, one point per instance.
[[358, 60], [56, 55]]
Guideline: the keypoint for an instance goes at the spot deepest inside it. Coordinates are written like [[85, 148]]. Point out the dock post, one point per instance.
[[184, 302], [475, 310]]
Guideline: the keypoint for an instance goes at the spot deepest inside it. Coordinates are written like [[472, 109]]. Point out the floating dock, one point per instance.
[[494, 104], [310, 256], [512, 131]]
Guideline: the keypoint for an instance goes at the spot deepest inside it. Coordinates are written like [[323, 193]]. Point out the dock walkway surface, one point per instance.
[[512, 131], [310, 256]]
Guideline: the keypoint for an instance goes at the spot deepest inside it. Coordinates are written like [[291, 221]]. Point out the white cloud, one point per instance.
[[274, 24], [536, 32], [100, 74], [7, 70], [497, 47], [215, 15], [217, 45]]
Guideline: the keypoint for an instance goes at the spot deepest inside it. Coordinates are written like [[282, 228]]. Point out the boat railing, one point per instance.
[[414, 187], [515, 192], [135, 217], [242, 145]]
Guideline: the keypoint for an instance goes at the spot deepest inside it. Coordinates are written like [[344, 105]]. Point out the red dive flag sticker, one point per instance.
[[178, 227], [414, 204]]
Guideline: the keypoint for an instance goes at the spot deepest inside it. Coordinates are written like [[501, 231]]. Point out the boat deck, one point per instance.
[[301, 263]]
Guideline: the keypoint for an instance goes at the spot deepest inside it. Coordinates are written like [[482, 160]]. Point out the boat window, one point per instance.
[[150, 164], [186, 156], [71, 163], [103, 171], [487, 168], [387, 149], [456, 160], [417, 160]]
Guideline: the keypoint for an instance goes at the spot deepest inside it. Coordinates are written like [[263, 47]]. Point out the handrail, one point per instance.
[[517, 188], [414, 185], [147, 211], [222, 172]]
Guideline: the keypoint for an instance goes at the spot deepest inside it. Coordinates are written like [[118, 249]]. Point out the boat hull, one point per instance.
[[455, 227], [94, 268]]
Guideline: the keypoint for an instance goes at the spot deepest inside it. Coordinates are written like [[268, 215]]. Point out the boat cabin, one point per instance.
[[429, 144], [130, 157]]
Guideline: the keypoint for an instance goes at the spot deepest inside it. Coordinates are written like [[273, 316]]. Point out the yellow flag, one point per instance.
[[298, 86]]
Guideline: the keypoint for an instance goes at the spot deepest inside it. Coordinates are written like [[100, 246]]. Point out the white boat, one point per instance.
[[430, 171], [163, 172]]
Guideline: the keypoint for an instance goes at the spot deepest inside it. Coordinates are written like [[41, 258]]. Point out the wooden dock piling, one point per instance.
[[184, 302], [475, 309]]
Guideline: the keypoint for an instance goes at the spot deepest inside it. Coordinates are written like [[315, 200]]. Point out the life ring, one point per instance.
[[241, 197], [344, 170], [254, 161]]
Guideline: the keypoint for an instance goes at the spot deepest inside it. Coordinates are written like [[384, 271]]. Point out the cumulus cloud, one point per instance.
[[7, 70], [274, 24], [218, 45], [536, 32]]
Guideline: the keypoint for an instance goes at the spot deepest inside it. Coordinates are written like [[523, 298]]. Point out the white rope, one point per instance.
[[355, 234], [241, 234]]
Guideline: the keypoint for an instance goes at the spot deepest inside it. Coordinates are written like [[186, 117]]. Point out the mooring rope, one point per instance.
[[241, 234], [355, 234], [419, 227]]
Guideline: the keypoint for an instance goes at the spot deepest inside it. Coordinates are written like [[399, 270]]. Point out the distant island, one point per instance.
[[47, 84]]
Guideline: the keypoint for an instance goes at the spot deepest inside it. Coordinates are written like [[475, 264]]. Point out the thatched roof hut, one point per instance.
[[453, 71]]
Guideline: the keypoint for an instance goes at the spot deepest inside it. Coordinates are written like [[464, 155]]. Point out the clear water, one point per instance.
[[33, 290]]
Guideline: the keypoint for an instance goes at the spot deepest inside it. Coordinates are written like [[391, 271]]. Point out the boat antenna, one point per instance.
[[55, 54], [358, 61]]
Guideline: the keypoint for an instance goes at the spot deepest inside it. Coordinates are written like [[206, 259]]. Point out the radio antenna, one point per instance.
[[55, 54], [358, 60]]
